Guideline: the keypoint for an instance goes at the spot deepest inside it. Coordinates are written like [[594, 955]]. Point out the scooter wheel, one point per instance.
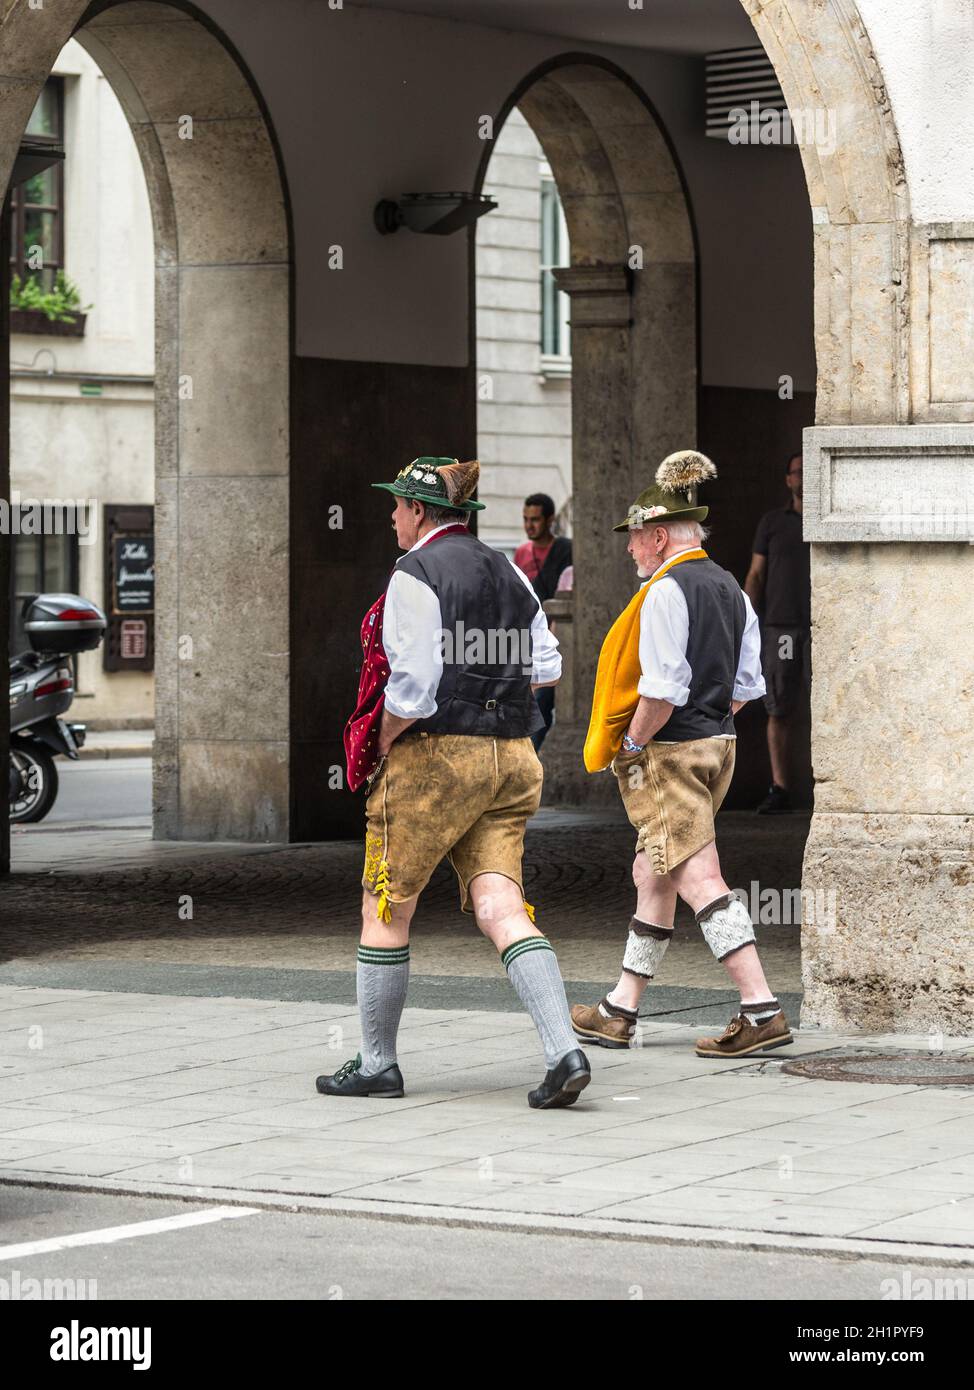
[[33, 783]]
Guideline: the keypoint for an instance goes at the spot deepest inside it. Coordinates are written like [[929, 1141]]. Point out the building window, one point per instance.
[[37, 205], [555, 304], [45, 564]]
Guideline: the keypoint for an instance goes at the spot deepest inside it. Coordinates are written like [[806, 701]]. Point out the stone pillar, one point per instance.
[[888, 882], [223, 270], [561, 613], [633, 402], [602, 483]]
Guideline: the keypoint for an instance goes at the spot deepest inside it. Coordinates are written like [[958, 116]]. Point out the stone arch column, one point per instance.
[[222, 255], [634, 389], [887, 884]]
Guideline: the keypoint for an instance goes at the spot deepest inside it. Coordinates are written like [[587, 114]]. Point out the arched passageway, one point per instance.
[[222, 388], [621, 188], [633, 266]]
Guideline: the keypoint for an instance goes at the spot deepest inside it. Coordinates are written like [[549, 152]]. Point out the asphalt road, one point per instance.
[[101, 791], [271, 1255]]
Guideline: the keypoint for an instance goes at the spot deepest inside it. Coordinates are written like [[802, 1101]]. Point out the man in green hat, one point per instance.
[[675, 667], [463, 644]]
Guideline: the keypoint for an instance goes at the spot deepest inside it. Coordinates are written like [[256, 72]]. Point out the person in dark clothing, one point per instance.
[[543, 557], [675, 667], [461, 644], [778, 584]]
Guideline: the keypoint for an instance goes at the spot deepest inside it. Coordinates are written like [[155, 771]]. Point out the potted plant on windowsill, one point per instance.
[[57, 311]]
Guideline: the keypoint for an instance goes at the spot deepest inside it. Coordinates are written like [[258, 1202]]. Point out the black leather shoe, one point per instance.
[[776, 803], [563, 1083], [349, 1081]]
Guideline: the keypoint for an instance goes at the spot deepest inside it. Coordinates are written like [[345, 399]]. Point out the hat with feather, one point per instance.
[[674, 494], [442, 482]]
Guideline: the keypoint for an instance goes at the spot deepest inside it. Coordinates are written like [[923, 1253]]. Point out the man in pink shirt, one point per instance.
[[543, 557]]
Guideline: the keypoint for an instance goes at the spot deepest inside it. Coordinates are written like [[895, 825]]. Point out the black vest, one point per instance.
[[486, 614], [715, 604]]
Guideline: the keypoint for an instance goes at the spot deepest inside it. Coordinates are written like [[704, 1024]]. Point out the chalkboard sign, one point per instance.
[[130, 589], [134, 574]]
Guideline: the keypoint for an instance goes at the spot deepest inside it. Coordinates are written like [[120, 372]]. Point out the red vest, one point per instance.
[[361, 735], [362, 730]]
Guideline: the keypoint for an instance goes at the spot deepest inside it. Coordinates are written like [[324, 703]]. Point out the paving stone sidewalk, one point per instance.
[[106, 896], [188, 1093]]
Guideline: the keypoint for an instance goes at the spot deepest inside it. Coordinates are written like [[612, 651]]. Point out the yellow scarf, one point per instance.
[[616, 692]]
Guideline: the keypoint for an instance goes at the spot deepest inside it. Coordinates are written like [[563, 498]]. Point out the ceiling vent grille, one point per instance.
[[741, 84]]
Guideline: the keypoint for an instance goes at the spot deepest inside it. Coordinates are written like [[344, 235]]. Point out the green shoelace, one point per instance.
[[347, 1069]]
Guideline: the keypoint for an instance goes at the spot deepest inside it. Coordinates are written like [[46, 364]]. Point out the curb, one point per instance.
[[97, 751], [700, 1237]]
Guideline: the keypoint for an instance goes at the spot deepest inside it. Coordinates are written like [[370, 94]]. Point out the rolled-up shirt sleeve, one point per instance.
[[411, 635], [664, 630], [545, 655], [749, 681]]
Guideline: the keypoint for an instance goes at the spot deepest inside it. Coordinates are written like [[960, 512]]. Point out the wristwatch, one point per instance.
[[631, 747]]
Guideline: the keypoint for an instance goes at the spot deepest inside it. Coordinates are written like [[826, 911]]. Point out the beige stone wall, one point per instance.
[[897, 956], [894, 694], [96, 448], [91, 449], [892, 840], [524, 420]]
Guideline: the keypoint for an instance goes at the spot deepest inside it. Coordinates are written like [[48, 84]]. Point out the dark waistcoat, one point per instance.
[[486, 615], [715, 604]]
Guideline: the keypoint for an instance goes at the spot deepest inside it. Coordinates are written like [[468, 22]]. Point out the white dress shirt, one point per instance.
[[664, 631], [411, 628]]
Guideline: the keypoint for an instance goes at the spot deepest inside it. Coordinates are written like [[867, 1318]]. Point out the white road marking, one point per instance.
[[110, 1234]]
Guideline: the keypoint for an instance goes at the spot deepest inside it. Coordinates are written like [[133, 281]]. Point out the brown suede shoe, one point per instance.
[[741, 1037], [592, 1026]]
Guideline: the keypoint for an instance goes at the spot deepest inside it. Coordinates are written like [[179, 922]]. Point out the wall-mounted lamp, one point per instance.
[[436, 213]]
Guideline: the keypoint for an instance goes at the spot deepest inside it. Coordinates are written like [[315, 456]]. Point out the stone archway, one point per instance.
[[222, 256], [634, 390], [823, 57], [886, 945], [874, 274]]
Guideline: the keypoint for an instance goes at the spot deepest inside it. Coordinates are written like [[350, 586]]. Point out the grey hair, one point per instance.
[[685, 531], [440, 515]]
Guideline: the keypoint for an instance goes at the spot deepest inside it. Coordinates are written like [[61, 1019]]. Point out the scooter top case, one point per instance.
[[63, 623]]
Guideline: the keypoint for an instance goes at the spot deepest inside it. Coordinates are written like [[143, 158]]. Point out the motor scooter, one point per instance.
[[58, 626]]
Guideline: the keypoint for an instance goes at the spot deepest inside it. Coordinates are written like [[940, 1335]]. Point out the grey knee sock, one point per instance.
[[381, 979], [533, 969]]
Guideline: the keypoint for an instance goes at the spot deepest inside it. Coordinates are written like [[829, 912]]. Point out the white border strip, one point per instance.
[[110, 1234]]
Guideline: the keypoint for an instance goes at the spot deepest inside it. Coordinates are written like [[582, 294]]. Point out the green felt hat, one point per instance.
[[421, 481], [673, 497]]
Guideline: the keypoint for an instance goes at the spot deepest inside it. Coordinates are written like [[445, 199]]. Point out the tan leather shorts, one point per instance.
[[449, 795], [672, 792]]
